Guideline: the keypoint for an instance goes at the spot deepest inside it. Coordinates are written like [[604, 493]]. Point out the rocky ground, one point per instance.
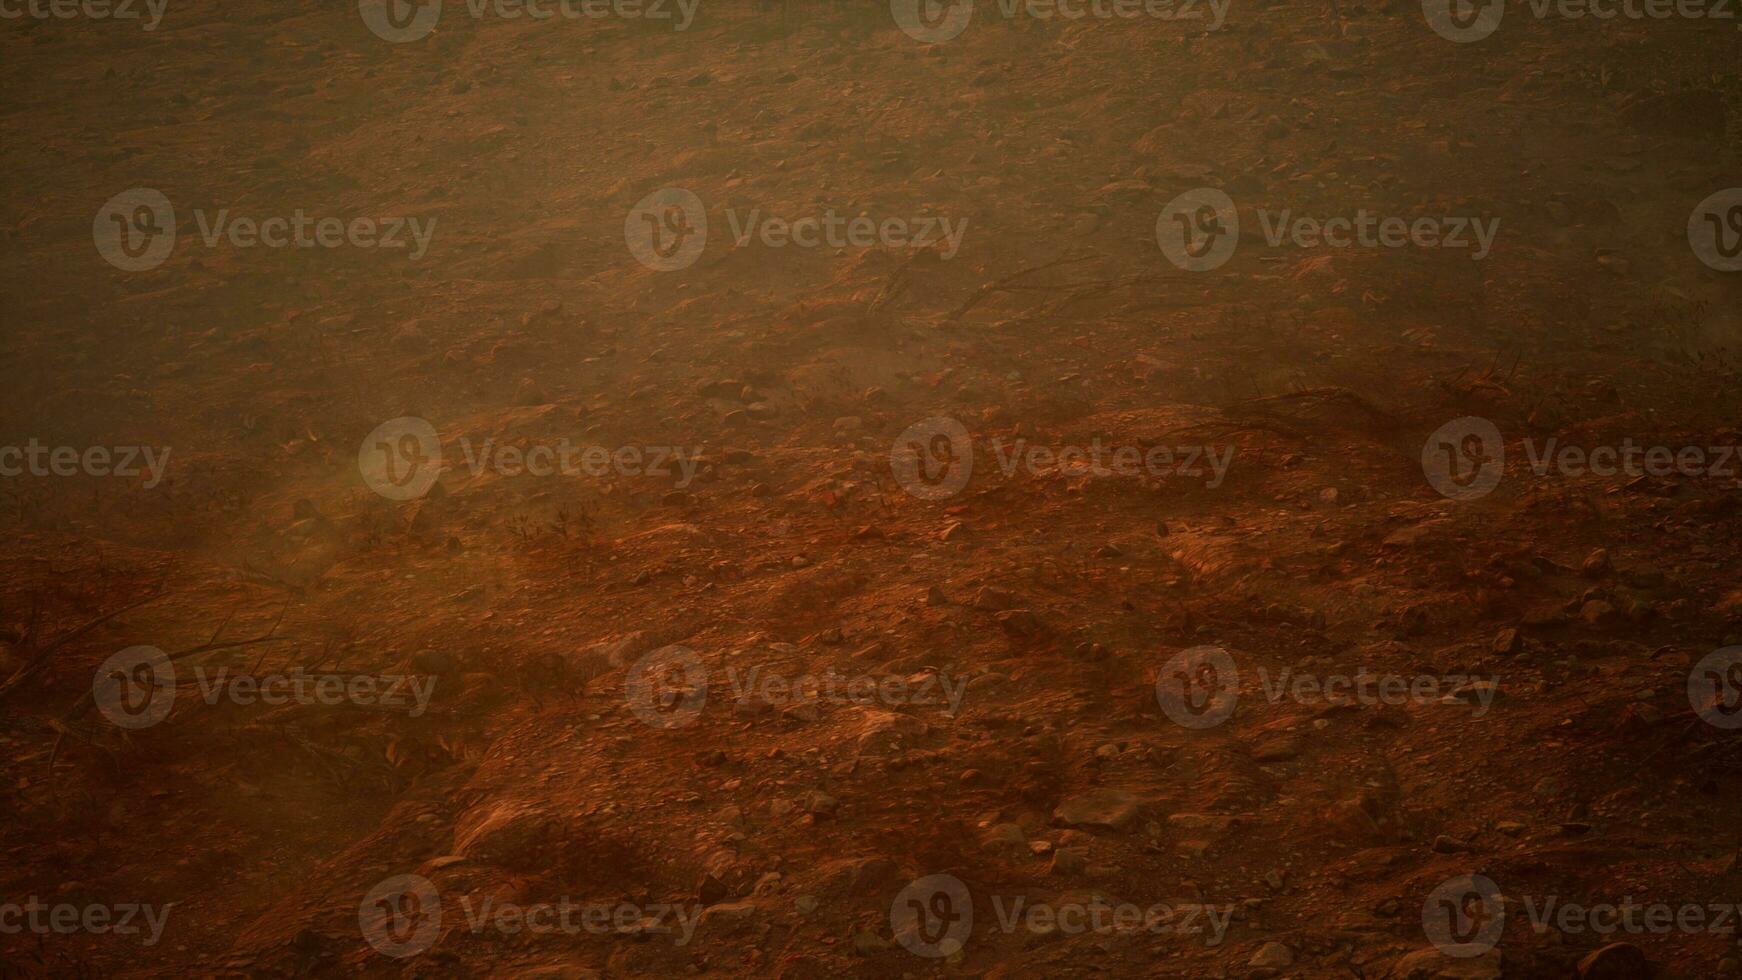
[[782, 686]]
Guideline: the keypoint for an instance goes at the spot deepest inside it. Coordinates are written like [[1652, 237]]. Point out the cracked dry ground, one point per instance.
[[1054, 596]]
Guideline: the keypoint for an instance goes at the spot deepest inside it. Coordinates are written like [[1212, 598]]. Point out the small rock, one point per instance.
[[1616, 961], [1102, 807], [1272, 954]]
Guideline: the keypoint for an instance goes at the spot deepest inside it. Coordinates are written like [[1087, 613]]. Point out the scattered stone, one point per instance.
[[1068, 860], [1272, 954], [1616, 961], [1104, 807], [1596, 564], [1455, 963]]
